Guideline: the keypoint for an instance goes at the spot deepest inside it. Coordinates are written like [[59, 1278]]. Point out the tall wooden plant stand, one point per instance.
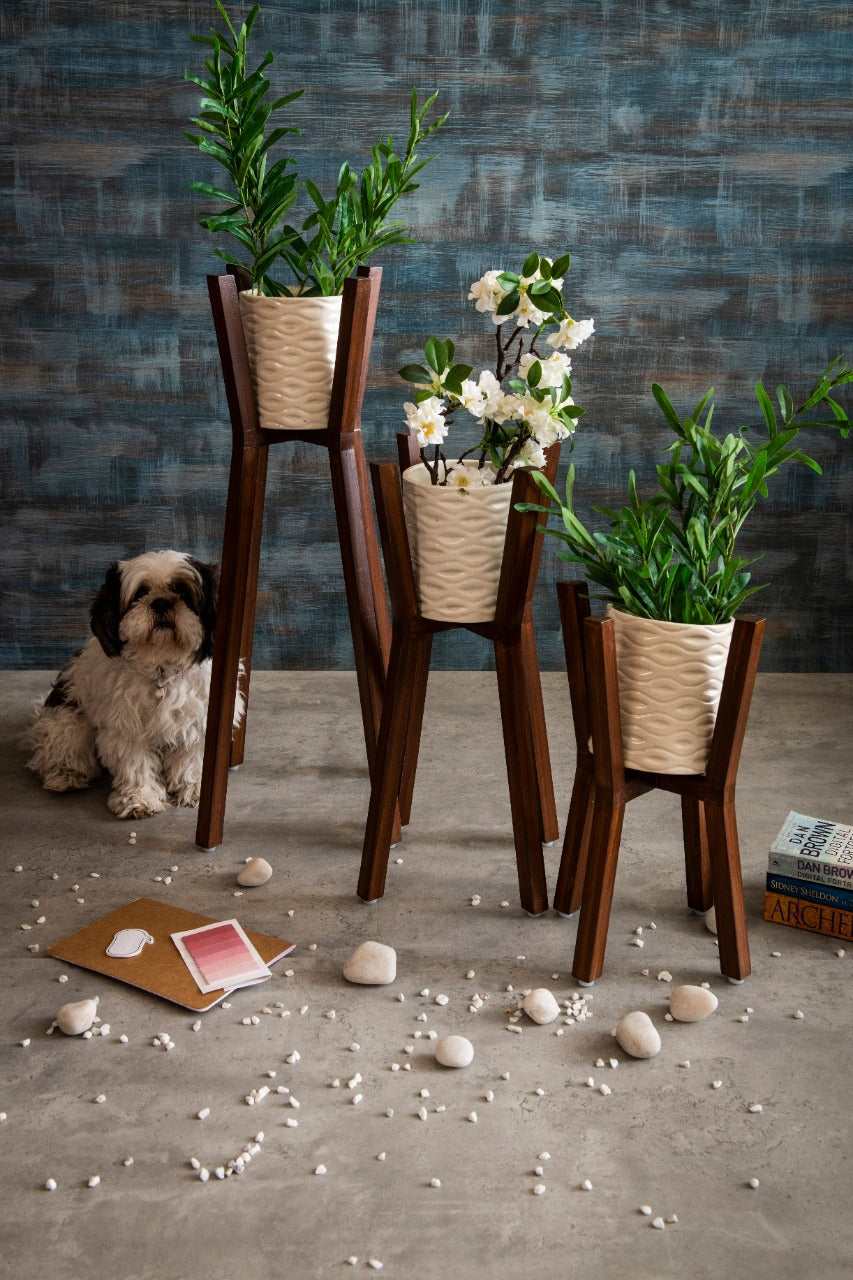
[[365, 591], [534, 816], [603, 786]]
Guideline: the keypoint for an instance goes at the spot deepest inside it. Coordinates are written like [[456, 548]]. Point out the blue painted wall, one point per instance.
[[695, 158]]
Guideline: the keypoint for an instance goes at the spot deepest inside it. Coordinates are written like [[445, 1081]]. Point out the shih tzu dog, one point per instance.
[[134, 699]]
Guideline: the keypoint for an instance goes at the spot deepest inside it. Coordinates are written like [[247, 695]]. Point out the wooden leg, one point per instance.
[[521, 772], [549, 827], [404, 666], [605, 835], [238, 741], [727, 886], [696, 863], [413, 731], [247, 470], [570, 878]]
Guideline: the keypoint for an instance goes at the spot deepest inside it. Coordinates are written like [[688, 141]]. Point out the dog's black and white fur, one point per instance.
[[134, 699]]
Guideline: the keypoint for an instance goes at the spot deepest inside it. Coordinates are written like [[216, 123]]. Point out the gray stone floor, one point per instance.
[[664, 1136]]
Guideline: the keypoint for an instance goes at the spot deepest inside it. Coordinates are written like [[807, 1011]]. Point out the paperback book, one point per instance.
[[814, 850], [813, 917], [824, 895]]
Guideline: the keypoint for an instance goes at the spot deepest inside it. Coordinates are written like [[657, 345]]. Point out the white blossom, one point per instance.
[[571, 333], [487, 293], [426, 421]]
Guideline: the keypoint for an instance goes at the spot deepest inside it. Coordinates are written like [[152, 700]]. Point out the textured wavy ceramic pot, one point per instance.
[[456, 537], [292, 344], [670, 678]]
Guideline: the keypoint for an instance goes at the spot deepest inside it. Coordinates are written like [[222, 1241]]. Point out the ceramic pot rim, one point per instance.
[[718, 628]]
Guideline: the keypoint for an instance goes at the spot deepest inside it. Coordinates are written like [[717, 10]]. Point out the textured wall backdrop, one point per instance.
[[693, 156]]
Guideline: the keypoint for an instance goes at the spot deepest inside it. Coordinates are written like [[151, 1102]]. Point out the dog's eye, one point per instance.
[[185, 592], [138, 594]]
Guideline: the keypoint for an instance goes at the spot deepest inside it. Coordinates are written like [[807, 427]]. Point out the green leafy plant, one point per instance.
[[672, 556], [237, 127]]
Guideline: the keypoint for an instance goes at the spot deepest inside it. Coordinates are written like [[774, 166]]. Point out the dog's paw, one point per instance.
[[65, 780], [137, 804], [186, 793]]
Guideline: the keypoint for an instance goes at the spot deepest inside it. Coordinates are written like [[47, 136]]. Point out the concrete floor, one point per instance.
[[664, 1137]]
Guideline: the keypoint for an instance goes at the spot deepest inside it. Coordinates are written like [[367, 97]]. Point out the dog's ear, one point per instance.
[[105, 613], [209, 574]]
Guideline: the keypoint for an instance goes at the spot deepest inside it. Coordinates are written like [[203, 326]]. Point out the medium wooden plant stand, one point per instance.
[[362, 568], [603, 786], [534, 816]]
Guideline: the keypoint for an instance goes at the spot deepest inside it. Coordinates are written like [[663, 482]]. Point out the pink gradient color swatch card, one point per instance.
[[220, 955]]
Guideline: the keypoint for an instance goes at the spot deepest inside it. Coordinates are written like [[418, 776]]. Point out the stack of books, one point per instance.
[[810, 877]]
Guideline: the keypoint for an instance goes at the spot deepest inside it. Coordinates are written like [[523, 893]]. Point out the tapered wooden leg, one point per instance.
[[413, 731], [513, 691], [238, 740], [404, 683], [570, 878], [549, 827], [239, 548], [605, 835], [727, 887], [696, 863]]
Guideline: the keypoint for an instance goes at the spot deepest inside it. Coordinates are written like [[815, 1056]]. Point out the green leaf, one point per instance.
[[415, 373], [531, 265]]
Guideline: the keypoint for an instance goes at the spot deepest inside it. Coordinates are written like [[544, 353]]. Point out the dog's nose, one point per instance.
[[161, 607]]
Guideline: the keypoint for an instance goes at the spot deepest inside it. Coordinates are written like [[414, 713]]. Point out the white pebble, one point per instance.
[[102, 1097], [203, 1114], [320, 1170], [472, 1116], [716, 1084], [375, 1264], [799, 1014], [664, 976], [637, 942], [539, 1189], [540, 1006], [605, 1089], [442, 1000], [454, 1051], [658, 1224], [637, 1035], [123, 1039], [646, 1210], [435, 1182], [94, 1181], [586, 1185], [755, 1108], [422, 1113], [50, 1185], [371, 964], [691, 1004], [470, 974], [754, 1183], [255, 872], [711, 920], [77, 1017]]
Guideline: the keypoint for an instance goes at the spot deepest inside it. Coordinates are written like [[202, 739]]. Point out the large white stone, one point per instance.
[[75, 1018], [372, 964], [454, 1051], [711, 920], [692, 1004], [256, 871], [540, 1005], [637, 1035]]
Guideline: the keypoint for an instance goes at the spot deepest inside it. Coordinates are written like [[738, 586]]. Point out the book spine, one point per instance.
[[830, 921], [816, 870], [825, 895]]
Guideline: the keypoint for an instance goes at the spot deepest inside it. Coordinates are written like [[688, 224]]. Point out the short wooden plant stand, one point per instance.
[[603, 786], [362, 569], [534, 816]]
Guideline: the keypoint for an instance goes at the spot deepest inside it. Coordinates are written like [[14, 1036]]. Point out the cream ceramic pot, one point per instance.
[[456, 537], [670, 679], [292, 343]]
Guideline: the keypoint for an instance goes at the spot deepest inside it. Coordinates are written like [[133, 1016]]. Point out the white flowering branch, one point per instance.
[[522, 407]]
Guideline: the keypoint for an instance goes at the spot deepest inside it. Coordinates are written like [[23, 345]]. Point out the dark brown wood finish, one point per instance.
[[241, 545], [603, 786], [534, 817]]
